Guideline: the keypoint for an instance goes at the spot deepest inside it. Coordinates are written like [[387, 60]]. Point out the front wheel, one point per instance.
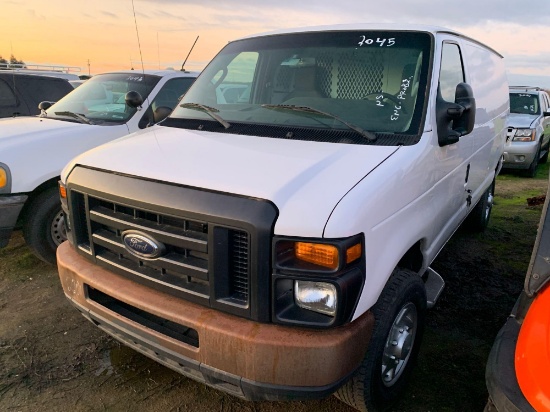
[[532, 171], [44, 225], [398, 327]]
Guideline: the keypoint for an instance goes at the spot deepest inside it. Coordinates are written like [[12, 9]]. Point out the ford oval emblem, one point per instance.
[[142, 245]]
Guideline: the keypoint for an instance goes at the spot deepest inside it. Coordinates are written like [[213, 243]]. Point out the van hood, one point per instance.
[[36, 149], [305, 180], [519, 120]]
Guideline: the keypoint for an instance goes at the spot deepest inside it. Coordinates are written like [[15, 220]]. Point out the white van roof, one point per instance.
[[372, 26]]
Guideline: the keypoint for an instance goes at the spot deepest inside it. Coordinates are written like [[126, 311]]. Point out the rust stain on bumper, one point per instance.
[[266, 353]]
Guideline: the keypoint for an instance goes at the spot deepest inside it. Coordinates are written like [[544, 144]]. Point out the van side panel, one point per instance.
[[486, 74]]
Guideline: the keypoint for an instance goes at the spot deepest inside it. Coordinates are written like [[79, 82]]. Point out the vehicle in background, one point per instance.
[[33, 150], [63, 72], [519, 362], [528, 138], [273, 236], [20, 94], [76, 83]]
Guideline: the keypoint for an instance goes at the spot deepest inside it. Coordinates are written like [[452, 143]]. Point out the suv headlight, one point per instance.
[[5, 179], [524, 135]]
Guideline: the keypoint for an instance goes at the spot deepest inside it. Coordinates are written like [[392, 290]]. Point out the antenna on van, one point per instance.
[[139, 44], [185, 61]]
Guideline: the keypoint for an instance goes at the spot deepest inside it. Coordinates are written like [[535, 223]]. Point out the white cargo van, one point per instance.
[[272, 238], [34, 149]]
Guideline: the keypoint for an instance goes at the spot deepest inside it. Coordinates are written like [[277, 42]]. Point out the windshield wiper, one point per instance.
[[366, 134], [211, 111], [80, 117]]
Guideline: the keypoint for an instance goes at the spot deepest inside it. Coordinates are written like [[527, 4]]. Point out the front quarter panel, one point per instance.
[[408, 199]]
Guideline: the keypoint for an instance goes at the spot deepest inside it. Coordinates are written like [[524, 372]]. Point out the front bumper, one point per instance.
[[10, 207], [248, 359], [519, 155]]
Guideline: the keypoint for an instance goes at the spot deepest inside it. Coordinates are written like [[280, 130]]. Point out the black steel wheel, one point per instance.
[[44, 225]]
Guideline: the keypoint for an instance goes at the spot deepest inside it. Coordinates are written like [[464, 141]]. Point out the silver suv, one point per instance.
[[528, 138]]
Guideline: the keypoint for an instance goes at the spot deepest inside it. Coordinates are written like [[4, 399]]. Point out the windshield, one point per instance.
[[101, 98], [524, 103], [326, 81]]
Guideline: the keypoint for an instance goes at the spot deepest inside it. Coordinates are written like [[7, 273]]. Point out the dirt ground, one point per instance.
[[52, 359]]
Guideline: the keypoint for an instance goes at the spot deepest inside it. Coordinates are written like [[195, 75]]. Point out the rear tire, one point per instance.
[[478, 219], [399, 317], [44, 225]]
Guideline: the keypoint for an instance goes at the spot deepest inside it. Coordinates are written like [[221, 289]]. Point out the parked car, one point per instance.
[[20, 94], [273, 236], [518, 365], [528, 138], [33, 150]]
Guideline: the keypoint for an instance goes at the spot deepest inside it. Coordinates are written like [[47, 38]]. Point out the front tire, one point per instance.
[[44, 225], [532, 171], [399, 317], [544, 157]]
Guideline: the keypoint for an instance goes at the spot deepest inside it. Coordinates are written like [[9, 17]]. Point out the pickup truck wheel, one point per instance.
[[44, 225], [544, 158], [478, 219], [532, 171], [399, 317]]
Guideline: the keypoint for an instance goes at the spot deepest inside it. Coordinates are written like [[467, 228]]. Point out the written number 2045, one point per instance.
[[378, 42]]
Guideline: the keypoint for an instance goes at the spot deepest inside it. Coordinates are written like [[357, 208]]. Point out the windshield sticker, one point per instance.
[[405, 84], [135, 78], [380, 42], [526, 95]]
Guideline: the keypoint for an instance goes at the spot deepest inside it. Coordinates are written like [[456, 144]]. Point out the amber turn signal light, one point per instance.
[[62, 191], [353, 253], [317, 253], [3, 178]]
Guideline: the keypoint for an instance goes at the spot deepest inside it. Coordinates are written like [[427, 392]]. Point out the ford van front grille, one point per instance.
[[198, 256]]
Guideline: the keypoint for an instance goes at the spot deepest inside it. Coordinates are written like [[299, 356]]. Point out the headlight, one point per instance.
[[317, 282], [316, 296], [524, 135], [5, 179]]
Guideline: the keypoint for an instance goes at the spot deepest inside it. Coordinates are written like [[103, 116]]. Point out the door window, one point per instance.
[[452, 71]]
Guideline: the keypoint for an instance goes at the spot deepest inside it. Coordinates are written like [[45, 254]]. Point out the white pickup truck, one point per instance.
[[33, 150], [273, 236]]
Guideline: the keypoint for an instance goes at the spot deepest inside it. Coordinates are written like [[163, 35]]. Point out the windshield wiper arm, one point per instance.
[[366, 134], [82, 118], [211, 111]]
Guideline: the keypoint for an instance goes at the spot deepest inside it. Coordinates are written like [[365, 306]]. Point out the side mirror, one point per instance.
[[133, 99], [455, 119], [45, 105], [546, 114]]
